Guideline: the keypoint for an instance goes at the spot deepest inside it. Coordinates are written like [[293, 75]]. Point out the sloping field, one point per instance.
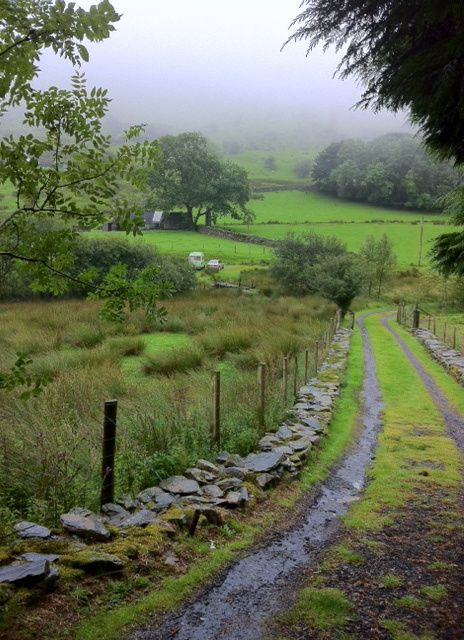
[[405, 236], [181, 243], [301, 206], [254, 163]]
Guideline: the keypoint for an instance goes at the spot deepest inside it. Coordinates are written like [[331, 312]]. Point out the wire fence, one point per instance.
[[416, 317], [295, 372]]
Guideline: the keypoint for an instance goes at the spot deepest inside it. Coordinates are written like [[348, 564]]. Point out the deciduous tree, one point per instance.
[[192, 177]]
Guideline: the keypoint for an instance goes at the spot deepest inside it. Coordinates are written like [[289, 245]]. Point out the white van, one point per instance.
[[197, 260]]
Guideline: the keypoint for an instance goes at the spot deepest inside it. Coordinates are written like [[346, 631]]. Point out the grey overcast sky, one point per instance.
[[213, 65]]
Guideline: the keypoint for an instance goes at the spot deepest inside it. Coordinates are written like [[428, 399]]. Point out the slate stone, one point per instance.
[[170, 559], [264, 480], [89, 526], [94, 562], [28, 530], [155, 498], [234, 460], [127, 503], [25, 573], [229, 483], [212, 491], [213, 515], [233, 472], [262, 462], [180, 485], [300, 445], [284, 433], [202, 477], [208, 466], [233, 499], [141, 518], [111, 509], [222, 457], [39, 557]]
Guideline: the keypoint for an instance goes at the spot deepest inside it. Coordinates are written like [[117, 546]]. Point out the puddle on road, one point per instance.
[[260, 584]]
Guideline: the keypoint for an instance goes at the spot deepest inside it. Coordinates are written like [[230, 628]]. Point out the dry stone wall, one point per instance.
[[208, 491], [450, 359]]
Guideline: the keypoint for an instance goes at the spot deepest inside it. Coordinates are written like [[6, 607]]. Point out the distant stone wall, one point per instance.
[[449, 358], [236, 236]]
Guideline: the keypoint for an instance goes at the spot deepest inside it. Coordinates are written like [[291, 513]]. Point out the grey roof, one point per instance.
[[152, 216]]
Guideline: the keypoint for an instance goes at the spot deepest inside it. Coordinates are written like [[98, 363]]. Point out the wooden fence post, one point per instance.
[[434, 326], [429, 319], [295, 377], [316, 357], [306, 360], [216, 409], [454, 337], [262, 394], [108, 451], [415, 317], [444, 332], [398, 314], [352, 320], [285, 377]]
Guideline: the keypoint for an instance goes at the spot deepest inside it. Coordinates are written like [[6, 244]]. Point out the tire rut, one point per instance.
[[265, 580], [454, 421]]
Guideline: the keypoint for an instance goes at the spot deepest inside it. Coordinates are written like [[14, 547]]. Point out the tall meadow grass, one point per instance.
[[50, 446]]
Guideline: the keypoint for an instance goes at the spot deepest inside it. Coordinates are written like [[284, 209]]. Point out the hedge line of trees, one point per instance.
[[394, 170], [100, 255]]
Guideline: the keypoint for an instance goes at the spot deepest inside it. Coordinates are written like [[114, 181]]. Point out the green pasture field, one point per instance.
[[181, 243], [253, 162], [308, 206], [405, 237]]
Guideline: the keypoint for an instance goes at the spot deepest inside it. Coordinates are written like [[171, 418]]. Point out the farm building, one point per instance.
[[153, 220]]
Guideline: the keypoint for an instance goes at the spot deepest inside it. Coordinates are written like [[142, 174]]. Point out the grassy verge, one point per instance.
[[109, 624], [447, 385]]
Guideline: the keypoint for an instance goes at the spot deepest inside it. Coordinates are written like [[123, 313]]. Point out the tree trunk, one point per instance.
[[189, 217], [208, 218]]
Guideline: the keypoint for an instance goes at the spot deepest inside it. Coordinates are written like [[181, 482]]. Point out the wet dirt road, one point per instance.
[[265, 579]]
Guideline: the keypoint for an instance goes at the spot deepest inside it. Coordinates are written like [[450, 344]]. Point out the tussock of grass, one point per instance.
[[179, 359], [318, 609], [399, 631], [390, 581], [410, 602], [227, 340], [436, 592]]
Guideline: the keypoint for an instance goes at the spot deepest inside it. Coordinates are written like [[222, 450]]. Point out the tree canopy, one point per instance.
[[393, 170], [318, 264], [408, 55], [61, 167], [192, 177]]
